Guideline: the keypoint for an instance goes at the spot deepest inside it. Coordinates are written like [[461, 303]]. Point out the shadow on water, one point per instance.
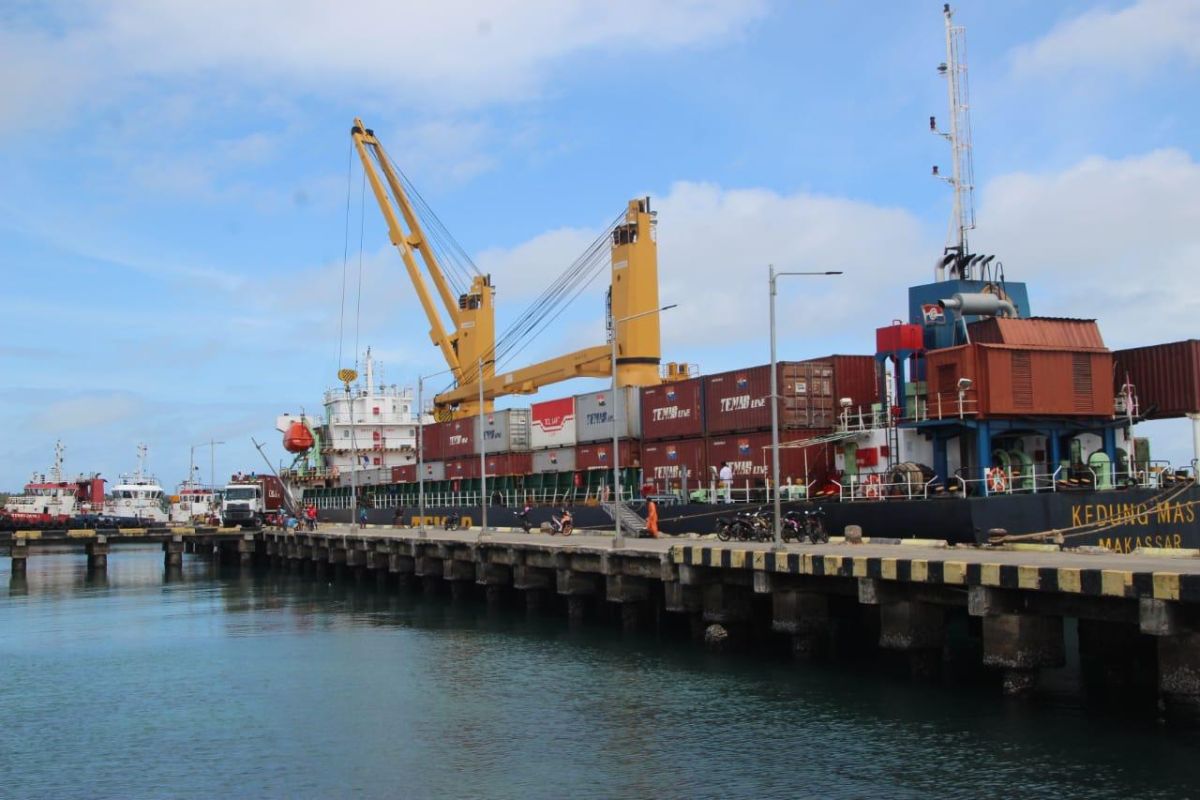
[[285, 684]]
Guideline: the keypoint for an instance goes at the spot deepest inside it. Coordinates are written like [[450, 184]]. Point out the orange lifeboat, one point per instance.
[[298, 438]]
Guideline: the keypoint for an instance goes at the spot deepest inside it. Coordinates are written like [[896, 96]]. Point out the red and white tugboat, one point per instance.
[[49, 501]]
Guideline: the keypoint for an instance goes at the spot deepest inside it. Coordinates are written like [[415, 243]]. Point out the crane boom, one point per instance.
[[472, 315], [469, 349]]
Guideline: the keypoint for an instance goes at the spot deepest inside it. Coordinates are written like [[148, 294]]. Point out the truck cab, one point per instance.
[[242, 505]]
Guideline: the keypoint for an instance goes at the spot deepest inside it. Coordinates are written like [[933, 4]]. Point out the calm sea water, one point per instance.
[[219, 684]]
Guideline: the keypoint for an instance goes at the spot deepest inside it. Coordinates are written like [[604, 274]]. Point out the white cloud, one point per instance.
[[1133, 39], [451, 54], [1113, 239]]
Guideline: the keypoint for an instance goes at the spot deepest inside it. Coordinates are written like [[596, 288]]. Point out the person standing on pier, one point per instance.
[[652, 518], [362, 516]]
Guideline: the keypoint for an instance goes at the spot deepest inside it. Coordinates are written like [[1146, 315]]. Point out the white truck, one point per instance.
[[250, 499]]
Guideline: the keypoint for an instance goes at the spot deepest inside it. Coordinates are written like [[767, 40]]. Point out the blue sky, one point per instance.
[[173, 209]]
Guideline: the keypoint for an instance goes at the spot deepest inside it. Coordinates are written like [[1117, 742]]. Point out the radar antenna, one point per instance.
[[962, 177]]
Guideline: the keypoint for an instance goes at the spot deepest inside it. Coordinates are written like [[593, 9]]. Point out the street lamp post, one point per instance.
[[212, 460], [778, 523], [483, 498], [421, 448], [618, 540]]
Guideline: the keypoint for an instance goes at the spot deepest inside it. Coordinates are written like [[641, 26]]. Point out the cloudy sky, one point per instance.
[[174, 221]]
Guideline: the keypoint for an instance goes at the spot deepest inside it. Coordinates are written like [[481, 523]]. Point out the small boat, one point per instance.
[[50, 501], [137, 500]]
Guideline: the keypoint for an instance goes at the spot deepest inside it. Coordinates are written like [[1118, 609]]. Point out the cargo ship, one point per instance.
[[973, 420]]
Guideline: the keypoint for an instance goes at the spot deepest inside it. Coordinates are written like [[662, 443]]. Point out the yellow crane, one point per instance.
[[472, 338]]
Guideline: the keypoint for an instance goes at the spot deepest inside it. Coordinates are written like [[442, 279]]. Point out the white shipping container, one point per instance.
[[435, 470], [594, 415], [558, 459], [504, 431], [552, 424]]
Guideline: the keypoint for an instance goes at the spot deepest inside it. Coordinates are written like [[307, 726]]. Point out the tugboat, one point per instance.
[[137, 500], [52, 502], [195, 503]]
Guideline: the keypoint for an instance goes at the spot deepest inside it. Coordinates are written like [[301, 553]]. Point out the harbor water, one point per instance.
[[227, 683]]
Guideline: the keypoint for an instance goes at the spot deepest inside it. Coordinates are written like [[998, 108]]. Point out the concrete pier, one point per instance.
[[1137, 616]]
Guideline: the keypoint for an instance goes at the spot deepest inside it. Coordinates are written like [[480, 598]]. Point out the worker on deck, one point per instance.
[[726, 477]]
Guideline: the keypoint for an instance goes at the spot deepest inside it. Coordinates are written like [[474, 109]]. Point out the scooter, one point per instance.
[[563, 525], [526, 524], [453, 521]]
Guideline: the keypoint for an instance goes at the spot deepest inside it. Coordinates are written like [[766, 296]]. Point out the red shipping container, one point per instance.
[[662, 462], [749, 454], [853, 377], [458, 438], [673, 410], [1165, 377], [598, 456], [462, 468], [404, 474], [433, 441], [899, 336], [508, 464], [739, 400]]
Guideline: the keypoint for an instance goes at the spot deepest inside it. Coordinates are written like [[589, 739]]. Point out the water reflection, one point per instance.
[[407, 694]]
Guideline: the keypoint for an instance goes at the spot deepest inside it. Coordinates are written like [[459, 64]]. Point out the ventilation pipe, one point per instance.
[[978, 303]]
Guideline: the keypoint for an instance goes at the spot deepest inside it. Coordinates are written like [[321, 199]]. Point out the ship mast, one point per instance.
[[141, 456], [962, 177], [58, 461]]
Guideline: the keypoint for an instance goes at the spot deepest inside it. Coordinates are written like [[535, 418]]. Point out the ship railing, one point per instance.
[[873, 486]]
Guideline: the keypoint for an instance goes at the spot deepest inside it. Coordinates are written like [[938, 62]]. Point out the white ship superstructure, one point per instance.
[[369, 428], [138, 496]]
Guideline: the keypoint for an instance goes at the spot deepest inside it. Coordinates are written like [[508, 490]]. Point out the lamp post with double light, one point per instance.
[[772, 275], [618, 539]]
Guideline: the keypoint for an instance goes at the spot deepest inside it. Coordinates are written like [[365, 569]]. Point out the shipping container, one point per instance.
[[461, 468], [594, 415], [1165, 378], [663, 463], [433, 441], [508, 464], [738, 400], [552, 424], [555, 459], [1017, 381], [505, 431], [458, 438], [404, 474], [749, 454], [852, 377], [598, 455], [434, 471], [673, 410]]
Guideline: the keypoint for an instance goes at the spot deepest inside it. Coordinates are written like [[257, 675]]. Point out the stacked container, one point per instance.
[[594, 414]]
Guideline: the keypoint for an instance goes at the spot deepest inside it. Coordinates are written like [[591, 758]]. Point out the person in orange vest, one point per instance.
[[652, 518]]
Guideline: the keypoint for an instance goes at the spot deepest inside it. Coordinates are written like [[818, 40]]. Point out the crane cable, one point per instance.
[[345, 260]]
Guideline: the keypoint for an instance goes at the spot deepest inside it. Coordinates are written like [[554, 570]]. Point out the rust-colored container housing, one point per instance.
[[507, 464], [673, 410], [599, 455], [1056, 333], [1020, 381], [458, 438], [434, 441], [661, 463], [404, 474], [462, 468], [749, 454], [1165, 377], [738, 400], [855, 377]]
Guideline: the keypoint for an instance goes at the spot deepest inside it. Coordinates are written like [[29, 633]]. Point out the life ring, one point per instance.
[[872, 487], [128, 503], [997, 481]]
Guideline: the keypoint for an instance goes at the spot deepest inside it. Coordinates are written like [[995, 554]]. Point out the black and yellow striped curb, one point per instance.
[[1068, 580]]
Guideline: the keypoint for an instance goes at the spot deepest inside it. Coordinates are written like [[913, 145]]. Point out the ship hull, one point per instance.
[[1119, 520]]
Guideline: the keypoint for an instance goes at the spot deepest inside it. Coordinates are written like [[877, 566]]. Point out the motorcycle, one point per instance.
[[562, 525], [453, 521], [526, 524]]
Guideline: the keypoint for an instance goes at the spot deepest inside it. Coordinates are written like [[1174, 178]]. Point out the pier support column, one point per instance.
[[727, 611], [805, 617], [918, 629], [632, 594], [579, 588], [1021, 644], [173, 552], [245, 550], [1179, 675], [97, 554], [20, 555]]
